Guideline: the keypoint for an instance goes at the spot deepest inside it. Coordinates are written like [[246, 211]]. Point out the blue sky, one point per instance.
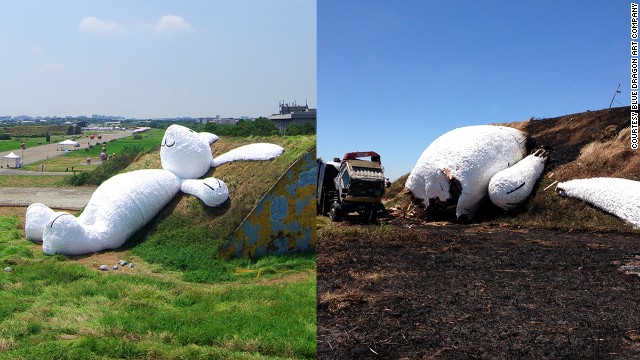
[[394, 75], [156, 58]]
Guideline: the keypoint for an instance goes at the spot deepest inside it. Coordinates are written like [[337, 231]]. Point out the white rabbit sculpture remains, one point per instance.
[[465, 165]]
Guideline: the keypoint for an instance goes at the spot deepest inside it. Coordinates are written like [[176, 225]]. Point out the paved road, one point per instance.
[[43, 152], [74, 198], [58, 198]]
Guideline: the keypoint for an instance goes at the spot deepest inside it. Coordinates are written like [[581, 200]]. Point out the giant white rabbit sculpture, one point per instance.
[[126, 202]]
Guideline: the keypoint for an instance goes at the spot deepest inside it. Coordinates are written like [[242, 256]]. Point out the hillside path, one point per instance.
[[74, 198]]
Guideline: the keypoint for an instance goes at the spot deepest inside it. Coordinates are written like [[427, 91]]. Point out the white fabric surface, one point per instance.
[[260, 151], [211, 191], [620, 197], [185, 153], [512, 186], [472, 155], [118, 208]]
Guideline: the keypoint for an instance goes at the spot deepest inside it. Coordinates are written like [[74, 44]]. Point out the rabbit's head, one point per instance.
[[185, 152]]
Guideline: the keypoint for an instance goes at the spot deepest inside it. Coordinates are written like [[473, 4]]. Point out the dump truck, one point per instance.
[[351, 185]]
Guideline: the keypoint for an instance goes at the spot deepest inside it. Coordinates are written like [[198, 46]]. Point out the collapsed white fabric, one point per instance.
[[260, 151], [620, 197], [126, 202], [512, 186], [471, 155]]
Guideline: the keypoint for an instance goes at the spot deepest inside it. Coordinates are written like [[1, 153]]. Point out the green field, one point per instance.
[[64, 308], [14, 144], [28, 181], [77, 158], [180, 301]]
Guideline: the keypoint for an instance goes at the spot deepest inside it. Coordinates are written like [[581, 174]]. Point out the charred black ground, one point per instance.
[[476, 291], [556, 279]]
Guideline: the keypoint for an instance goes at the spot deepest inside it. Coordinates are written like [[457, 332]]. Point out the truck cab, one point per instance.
[[351, 185]]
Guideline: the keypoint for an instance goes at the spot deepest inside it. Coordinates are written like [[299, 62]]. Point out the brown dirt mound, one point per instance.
[[568, 134]]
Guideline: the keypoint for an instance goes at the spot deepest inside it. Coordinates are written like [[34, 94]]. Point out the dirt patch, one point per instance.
[[17, 211], [111, 259], [287, 278], [481, 291]]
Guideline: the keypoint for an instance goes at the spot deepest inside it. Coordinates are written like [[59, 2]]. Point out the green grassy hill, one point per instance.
[[180, 300], [187, 235]]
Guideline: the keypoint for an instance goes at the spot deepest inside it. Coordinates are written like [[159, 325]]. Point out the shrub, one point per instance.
[[108, 169], [79, 179]]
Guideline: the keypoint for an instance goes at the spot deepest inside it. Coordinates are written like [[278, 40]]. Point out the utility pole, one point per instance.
[[23, 147], [614, 95]]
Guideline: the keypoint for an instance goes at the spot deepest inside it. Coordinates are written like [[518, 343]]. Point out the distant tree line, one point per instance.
[[259, 127], [305, 129]]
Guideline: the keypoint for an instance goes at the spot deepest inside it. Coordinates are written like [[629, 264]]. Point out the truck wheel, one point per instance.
[[335, 213]]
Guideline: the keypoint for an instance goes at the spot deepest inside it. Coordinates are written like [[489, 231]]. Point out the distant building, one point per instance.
[[112, 124], [216, 120], [293, 114], [204, 121]]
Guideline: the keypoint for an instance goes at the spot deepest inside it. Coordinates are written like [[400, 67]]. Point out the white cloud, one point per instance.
[[38, 49], [93, 24], [172, 23], [52, 68]]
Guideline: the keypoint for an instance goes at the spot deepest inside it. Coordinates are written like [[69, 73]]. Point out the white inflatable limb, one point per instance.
[[118, 208], [512, 186], [64, 234], [211, 191], [620, 197], [36, 218], [260, 151]]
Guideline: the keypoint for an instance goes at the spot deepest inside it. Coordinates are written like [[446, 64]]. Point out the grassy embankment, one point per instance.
[[188, 234], [68, 309]]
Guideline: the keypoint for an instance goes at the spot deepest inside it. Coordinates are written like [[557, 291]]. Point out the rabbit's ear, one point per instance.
[[261, 151], [208, 137]]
